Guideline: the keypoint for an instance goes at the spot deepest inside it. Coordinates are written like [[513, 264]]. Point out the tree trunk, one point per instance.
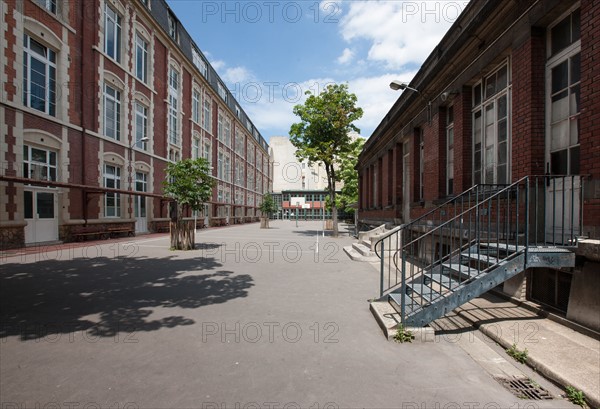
[[182, 235], [331, 185]]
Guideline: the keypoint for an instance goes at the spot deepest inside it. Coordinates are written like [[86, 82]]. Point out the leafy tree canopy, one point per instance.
[[189, 182]]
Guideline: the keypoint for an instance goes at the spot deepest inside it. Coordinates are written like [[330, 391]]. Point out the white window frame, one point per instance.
[[222, 91], [141, 57], [141, 125], [199, 62], [116, 31], [40, 170], [172, 26], [49, 5], [114, 100], [207, 150], [116, 179], [207, 114], [48, 59], [173, 109], [196, 147], [196, 104]]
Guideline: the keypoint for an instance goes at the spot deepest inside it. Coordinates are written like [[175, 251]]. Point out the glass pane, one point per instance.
[[502, 78], [574, 100], [52, 158], [502, 130], [477, 95], [575, 68], [490, 86], [52, 174], [558, 162], [559, 135], [502, 177], [574, 160], [574, 131], [560, 77], [45, 205], [502, 107], [561, 35], [502, 153], [28, 200], [38, 155], [25, 152], [576, 26], [560, 107]]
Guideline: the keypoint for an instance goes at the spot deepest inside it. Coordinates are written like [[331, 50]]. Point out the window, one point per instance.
[[207, 151], [172, 26], [112, 201], [250, 184], [421, 187], [222, 91], [195, 148], [227, 132], [39, 76], [141, 58], [196, 106], [491, 130], [39, 164], [563, 95], [239, 142], [239, 173], [227, 169], [173, 106], [112, 112], [141, 185], [220, 165], [49, 5], [220, 128], [207, 116], [112, 33], [250, 156], [238, 113], [199, 62], [450, 150], [141, 126]]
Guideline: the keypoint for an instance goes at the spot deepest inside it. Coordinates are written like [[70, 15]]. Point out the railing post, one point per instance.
[[382, 268], [403, 289], [526, 220]]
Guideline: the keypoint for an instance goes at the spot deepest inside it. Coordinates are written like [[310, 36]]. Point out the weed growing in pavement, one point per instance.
[[403, 335], [517, 354], [575, 396]]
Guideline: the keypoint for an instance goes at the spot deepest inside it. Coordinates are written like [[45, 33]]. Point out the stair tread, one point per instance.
[[442, 279], [461, 269], [424, 291], [481, 257], [410, 305]]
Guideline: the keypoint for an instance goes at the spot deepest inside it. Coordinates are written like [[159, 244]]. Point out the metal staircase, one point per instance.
[[475, 242]]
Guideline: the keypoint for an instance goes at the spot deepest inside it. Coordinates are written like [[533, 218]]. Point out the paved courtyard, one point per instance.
[[250, 319]]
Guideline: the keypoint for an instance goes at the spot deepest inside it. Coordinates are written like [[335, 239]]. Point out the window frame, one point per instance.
[[116, 178], [50, 72], [117, 32], [173, 108], [144, 116], [144, 53], [29, 164], [116, 99]]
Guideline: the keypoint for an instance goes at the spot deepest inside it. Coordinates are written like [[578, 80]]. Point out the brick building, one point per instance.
[[510, 94], [102, 94]]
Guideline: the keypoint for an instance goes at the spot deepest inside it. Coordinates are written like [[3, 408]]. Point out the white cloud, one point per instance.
[[399, 33], [375, 98], [346, 57], [236, 75]]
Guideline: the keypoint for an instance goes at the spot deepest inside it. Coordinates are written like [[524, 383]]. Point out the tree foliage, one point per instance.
[[190, 184], [323, 133], [349, 175], [268, 205]]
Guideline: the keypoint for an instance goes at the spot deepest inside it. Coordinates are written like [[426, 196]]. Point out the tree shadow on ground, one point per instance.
[[107, 295]]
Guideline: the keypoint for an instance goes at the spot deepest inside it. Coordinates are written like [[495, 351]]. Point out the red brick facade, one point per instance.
[[75, 133], [523, 46]]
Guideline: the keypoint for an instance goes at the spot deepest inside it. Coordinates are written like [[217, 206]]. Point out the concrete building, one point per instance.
[[98, 97], [508, 102]]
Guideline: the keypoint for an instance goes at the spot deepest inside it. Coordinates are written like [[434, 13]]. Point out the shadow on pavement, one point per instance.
[[104, 295]]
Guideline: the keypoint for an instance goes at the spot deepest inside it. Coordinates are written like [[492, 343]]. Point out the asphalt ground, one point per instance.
[[253, 318]]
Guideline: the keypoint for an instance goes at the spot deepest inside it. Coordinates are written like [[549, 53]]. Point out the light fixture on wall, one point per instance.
[[399, 85], [445, 95]]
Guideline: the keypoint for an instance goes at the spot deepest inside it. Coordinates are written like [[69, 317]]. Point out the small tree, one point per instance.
[[190, 184], [267, 207], [322, 136], [349, 175]]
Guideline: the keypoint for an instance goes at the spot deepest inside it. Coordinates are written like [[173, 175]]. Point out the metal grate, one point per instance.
[[524, 388]]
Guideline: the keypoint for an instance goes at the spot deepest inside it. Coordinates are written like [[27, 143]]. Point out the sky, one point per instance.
[[270, 53]]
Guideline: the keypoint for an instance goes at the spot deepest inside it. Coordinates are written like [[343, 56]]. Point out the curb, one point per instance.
[[593, 401], [389, 326]]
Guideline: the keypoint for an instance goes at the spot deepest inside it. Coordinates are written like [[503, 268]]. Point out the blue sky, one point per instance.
[[270, 52]]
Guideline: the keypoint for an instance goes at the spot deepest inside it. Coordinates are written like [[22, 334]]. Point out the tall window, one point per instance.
[[39, 164], [173, 106], [222, 91], [227, 168], [141, 185], [195, 148], [227, 132], [196, 106], [220, 127], [207, 115], [112, 112], [563, 94], [199, 62], [239, 142], [491, 130], [141, 126], [450, 150], [112, 33], [112, 201], [207, 150], [421, 186], [39, 76], [141, 58], [220, 165], [172, 26]]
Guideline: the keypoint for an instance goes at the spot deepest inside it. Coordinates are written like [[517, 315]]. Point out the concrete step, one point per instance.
[[356, 256], [363, 250]]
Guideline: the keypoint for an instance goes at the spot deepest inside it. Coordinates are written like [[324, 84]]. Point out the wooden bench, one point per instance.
[[83, 233], [113, 231]]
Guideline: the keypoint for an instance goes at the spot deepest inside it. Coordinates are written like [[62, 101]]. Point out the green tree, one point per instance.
[[267, 207], [323, 133], [189, 183], [349, 175]]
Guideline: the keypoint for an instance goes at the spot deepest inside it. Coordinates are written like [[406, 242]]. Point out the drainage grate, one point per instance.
[[524, 388]]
